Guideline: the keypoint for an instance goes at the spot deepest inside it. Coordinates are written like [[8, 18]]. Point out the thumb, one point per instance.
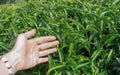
[[30, 33]]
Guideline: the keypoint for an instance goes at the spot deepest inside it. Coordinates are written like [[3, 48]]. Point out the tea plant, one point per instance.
[[88, 31]]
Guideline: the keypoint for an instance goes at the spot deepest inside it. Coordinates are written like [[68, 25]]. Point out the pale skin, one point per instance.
[[28, 52]]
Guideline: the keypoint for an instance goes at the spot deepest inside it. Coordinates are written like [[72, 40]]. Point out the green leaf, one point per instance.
[[58, 66]]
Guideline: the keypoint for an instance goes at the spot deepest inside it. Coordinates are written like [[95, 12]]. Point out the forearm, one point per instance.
[[13, 60]]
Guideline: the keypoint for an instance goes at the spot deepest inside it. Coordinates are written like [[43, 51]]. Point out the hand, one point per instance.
[[32, 51]]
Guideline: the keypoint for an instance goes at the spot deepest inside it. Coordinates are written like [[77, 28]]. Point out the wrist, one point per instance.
[[13, 59]]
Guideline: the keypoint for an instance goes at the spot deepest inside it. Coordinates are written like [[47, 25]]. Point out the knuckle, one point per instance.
[[41, 48]]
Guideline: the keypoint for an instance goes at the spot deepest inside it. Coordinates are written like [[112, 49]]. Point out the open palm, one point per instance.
[[33, 51]]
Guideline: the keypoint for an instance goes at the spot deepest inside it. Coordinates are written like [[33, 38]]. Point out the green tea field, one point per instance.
[[88, 31]]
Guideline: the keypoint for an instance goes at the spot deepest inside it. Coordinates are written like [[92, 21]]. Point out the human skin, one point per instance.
[[27, 52]]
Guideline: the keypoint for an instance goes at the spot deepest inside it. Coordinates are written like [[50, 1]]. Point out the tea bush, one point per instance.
[[88, 31]]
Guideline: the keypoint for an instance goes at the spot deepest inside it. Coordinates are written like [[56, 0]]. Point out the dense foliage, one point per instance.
[[12, 1], [88, 31]]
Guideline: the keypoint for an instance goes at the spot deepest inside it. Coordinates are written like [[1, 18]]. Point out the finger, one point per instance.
[[43, 60], [30, 33], [45, 39], [48, 45], [47, 52]]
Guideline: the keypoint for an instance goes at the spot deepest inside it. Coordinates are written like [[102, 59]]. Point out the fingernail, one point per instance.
[[53, 37], [55, 49], [57, 42]]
